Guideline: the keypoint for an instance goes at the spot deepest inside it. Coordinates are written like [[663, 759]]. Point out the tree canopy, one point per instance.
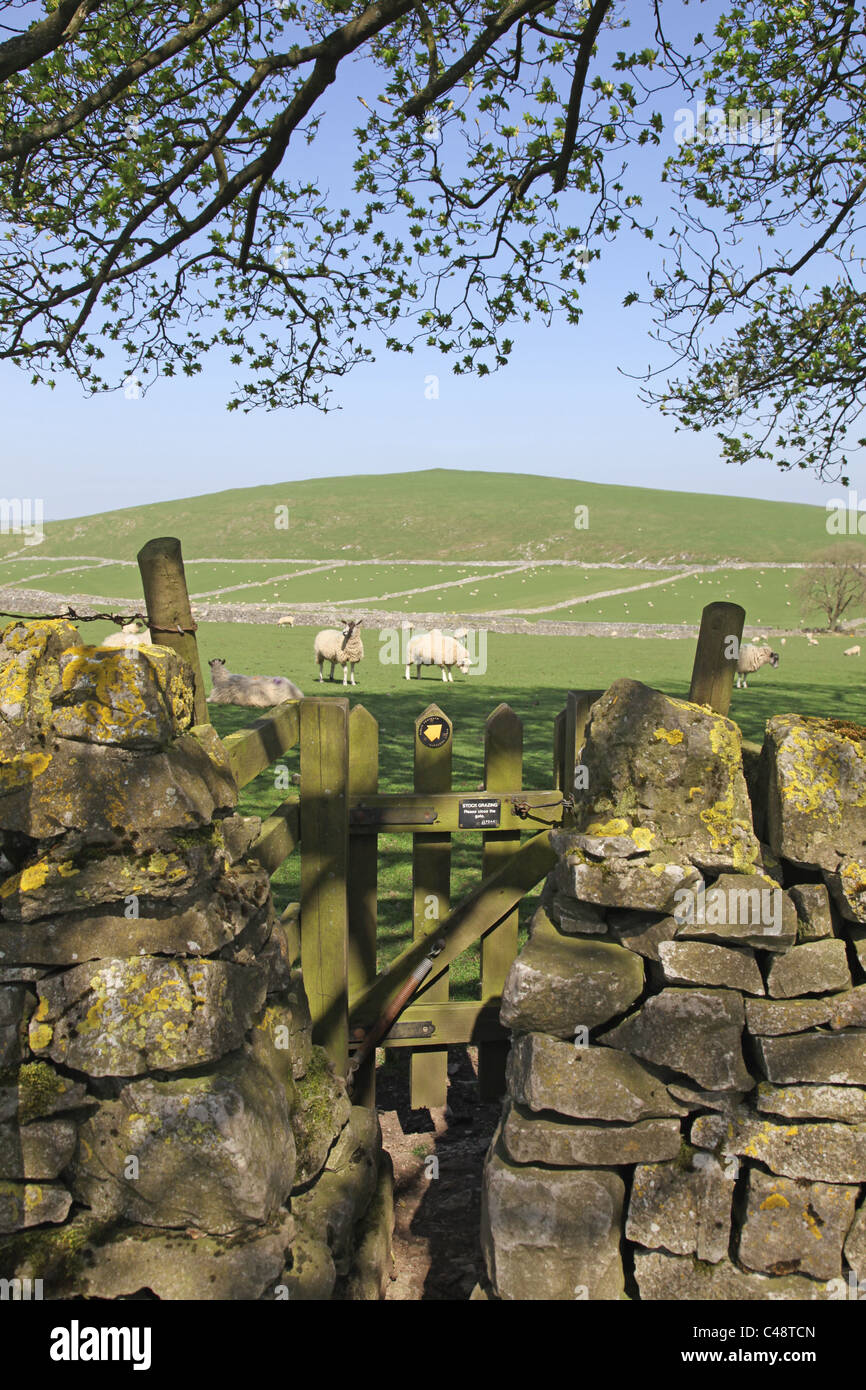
[[163, 193]]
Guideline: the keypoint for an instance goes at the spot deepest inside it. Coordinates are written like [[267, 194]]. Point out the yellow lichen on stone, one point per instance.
[[671, 736], [21, 771], [774, 1200], [608, 828]]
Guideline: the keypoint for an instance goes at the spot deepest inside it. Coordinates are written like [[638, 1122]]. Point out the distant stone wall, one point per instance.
[[686, 1111], [166, 1124]]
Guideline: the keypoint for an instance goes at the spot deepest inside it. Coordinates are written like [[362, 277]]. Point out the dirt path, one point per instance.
[[437, 1252]]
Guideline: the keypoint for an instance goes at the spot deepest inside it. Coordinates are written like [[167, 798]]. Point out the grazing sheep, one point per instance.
[[287, 621], [751, 660], [254, 692], [344, 647], [134, 634], [432, 649], [852, 651]]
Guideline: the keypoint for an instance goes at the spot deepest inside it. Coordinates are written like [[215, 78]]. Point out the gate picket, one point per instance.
[[431, 878], [503, 771], [363, 878]]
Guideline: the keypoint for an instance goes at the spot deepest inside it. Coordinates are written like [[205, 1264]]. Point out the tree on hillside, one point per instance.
[[162, 193], [837, 582]]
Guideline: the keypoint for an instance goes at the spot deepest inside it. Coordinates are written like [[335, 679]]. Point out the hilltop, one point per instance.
[[449, 515]]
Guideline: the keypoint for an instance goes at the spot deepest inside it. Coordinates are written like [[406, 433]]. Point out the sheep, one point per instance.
[[752, 659], [287, 621], [344, 647], [134, 634], [852, 651], [432, 649], [253, 692], [813, 641]]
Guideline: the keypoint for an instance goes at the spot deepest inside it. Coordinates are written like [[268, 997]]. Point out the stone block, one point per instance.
[[40, 1150], [699, 963], [817, 790], [739, 910], [823, 1058], [213, 1150], [814, 968], [137, 697], [815, 920], [125, 1017], [32, 1204], [529, 1138], [587, 1083], [321, 1110], [833, 1153], [846, 1103], [641, 748], [551, 1233], [558, 983], [682, 1207], [795, 1227], [665, 1277], [236, 908], [693, 1031]]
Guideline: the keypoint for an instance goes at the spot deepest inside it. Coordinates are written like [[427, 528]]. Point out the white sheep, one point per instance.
[[752, 659], [813, 641], [343, 648], [852, 651], [254, 692], [432, 649], [287, 621], [134, 634]]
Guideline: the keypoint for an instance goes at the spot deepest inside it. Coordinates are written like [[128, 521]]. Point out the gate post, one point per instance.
[[324, 821], [713, 671], [168, 612]]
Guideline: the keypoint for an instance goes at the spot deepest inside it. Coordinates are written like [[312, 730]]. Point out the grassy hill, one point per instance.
[[442, 514]]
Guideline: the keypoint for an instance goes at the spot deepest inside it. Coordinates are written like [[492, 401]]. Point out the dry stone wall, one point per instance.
[[686, 1109], [166, 1123]]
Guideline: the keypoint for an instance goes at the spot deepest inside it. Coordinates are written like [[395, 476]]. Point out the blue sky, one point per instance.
[[563, 407]]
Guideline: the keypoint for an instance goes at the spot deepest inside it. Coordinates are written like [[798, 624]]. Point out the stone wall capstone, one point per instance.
[[167, 1126], [686, 1107]]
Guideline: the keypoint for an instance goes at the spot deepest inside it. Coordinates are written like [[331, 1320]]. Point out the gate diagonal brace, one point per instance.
[[478, 913]]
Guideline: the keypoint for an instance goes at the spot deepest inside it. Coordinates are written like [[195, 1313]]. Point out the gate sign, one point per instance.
[[478, 815], [434, 731]]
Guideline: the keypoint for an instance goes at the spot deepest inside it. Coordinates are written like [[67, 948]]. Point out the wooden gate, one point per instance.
[[335, 820]]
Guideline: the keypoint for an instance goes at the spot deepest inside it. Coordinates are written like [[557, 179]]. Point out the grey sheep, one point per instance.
[[254, 692], [343, 648], [751, 659]]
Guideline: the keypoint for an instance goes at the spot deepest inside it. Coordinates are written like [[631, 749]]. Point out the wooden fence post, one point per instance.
[[578, 705], [363, 882], [558, 752], [714, 669], [324, 866], [503, 771], [431, 880], [165, 593]]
